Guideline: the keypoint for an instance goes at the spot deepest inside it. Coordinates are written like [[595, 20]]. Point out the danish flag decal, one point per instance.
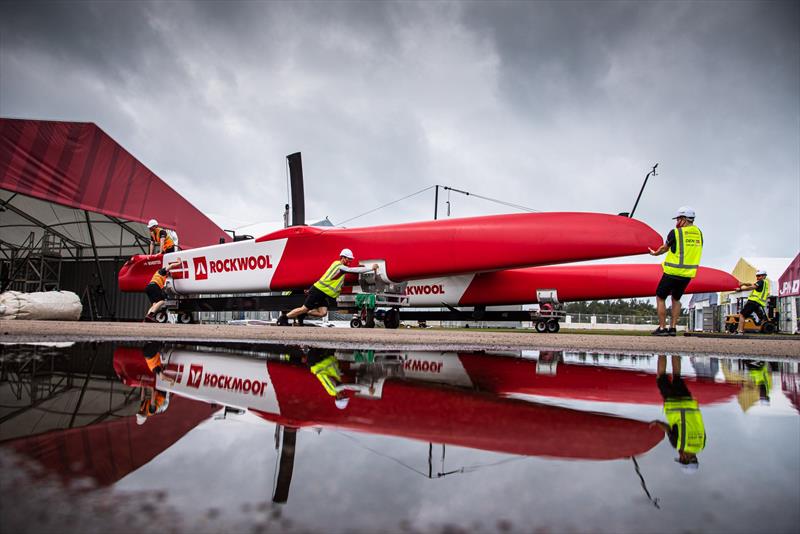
[[183, 272], [200, 268]]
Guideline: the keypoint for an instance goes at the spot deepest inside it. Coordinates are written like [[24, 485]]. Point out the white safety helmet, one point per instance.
[[347, 253], [685, 211], [151, 223], [342, 403], [761, 272], [690, 468]]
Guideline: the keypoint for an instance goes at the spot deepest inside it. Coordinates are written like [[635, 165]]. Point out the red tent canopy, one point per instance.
[[77, 165]]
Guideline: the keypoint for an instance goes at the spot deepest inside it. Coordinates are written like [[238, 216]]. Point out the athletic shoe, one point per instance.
[[739, 334], [660, 332], [673, 332]]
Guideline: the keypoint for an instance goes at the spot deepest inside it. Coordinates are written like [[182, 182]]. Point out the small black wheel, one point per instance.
[[161, 317], [731, 327], [541, 327], [355, 322], [553, 326], [391, 319], [184, 317], [768, 328], [282, 320]]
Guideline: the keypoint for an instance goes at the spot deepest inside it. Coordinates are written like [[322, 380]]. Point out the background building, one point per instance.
[[789, 297]]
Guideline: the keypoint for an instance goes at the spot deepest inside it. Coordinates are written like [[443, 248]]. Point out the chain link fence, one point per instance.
[[608, 318]]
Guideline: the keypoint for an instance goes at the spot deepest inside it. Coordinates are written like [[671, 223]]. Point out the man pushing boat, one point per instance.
[[326, 290]]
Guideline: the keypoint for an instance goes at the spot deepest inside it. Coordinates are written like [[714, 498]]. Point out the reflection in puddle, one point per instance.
[[512, 437]]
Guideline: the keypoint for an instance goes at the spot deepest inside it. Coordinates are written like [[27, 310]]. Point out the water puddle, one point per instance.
[[250, 438]]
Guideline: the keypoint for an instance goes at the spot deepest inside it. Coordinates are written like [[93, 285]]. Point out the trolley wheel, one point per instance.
[[355, 322], [553, 326], [541, 327], [184, 317], [282, 320], [370, 322], [731, 327], [161, 317], [768, 328], [391, 319]]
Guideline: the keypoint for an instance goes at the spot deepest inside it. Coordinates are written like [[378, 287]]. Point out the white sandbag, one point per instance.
[[48, 305]]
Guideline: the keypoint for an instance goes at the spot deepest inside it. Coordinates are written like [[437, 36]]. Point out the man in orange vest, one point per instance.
[[153, 401], [155, 290], [159, 236]]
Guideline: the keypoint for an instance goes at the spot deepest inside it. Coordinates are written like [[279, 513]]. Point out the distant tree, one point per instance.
[[612, 307]]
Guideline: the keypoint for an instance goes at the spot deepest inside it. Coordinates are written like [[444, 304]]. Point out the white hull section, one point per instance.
[[241, 267]]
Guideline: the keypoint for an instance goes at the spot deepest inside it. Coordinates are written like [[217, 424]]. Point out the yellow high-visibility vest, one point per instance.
[[761, 296], [332, 281], [688, 249], [685, 413], [326, 372]]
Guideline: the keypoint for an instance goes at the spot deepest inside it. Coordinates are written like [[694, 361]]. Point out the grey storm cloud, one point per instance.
[[551, 105]]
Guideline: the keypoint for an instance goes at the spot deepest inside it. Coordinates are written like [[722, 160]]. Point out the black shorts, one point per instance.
[[752, 307], [318, 299], [154, 293], [672, 285], [672, 388]]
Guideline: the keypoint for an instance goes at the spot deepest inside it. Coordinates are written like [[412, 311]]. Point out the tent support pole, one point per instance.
[[96, 260]]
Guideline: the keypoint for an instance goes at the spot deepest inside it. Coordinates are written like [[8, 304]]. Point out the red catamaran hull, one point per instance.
[[294, 258]]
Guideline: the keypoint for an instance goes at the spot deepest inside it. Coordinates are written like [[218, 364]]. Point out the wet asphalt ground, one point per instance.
[[463, 339]]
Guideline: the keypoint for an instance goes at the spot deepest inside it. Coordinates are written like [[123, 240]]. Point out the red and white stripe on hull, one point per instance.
[[573, 282], [294, 258]]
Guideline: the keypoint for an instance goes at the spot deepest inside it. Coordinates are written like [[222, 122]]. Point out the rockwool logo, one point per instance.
[[200, 268], [195, 376], [436, 289]]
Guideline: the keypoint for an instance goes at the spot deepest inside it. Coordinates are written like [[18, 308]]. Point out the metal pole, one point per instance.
[[653, 172], [436, 204], [96, 261]]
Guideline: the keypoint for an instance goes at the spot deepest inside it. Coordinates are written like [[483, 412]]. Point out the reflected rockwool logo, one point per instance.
[[195, 376]]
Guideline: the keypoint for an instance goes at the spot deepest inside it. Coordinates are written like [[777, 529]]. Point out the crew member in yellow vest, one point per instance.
[[326, 369], [160, 237], [762, 378], [324, 292], [684, 426], [756, 301], [153, 400], [684, 246], [155, 290]]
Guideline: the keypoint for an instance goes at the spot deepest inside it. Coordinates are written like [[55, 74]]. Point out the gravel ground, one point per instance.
[[43, 331]]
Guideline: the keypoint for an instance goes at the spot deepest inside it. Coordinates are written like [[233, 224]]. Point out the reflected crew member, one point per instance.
[[684, 426], [326, 369], [760, 375], [153, 401]]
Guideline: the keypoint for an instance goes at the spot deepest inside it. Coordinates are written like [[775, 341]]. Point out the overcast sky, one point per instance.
[[554, 106]]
